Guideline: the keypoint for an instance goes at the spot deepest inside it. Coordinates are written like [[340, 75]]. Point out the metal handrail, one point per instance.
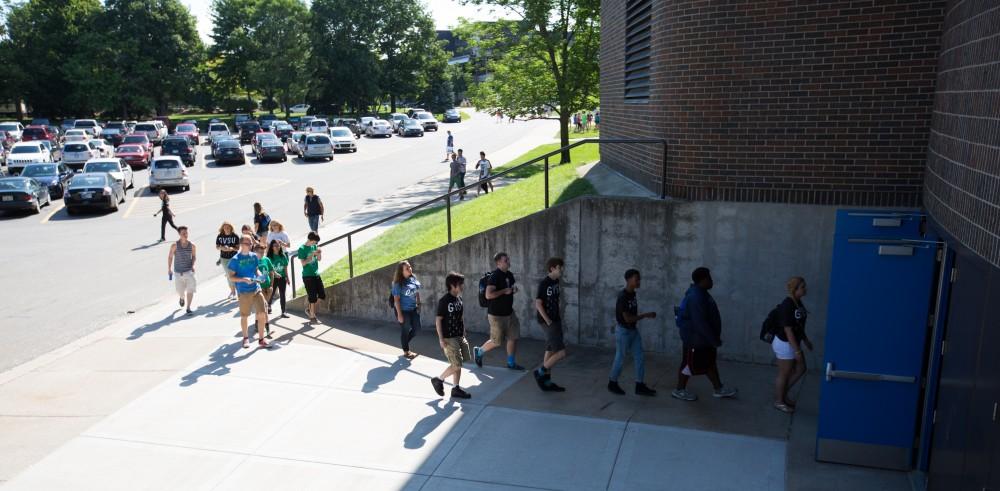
[[447, 196]]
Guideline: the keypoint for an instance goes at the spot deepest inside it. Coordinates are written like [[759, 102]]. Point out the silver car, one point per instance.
[[168, 172], [119, 170], [379, 127], [316, 146]]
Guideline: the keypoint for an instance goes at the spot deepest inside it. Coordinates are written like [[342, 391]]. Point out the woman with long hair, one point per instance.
[[276, 231], [406, 302], [788, 342], [261, 222], [279, 259]]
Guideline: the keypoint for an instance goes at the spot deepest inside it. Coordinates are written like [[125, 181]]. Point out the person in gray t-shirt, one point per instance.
[[457, 175]]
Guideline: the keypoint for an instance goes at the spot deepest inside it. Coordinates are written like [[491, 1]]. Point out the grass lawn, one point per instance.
[[573, 134], [427, 229]]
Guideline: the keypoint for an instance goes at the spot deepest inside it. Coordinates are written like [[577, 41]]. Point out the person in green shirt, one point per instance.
[[279, 259], [310, 255], [266, 274]]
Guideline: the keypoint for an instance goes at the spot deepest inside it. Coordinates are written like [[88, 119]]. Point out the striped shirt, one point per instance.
[[183, 258]]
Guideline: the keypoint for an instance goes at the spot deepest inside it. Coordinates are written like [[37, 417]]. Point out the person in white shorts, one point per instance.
[[180, 268], [788, 342]]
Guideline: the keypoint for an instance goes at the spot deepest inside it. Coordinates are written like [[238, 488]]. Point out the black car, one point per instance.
[[247, 130], [93, 190], [452, 116], [283, 130], [54, 176], [23, 193], [229, 152], [410, 127], [271, 149], [179, 146], [217, 142]]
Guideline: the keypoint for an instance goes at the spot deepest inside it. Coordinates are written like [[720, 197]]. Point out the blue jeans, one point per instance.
[[408, 329], [628, 340], [313, 223]]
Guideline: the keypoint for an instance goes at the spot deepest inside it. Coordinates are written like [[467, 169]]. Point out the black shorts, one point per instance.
[[699, 360], [554, 337], [314, 288]]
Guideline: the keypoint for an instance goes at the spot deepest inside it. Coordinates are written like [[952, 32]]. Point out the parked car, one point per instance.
[[218, 140], [55, 176], [93, 190], [395, 119], [316, 145], [38, 132], [364, 122], [67, 125], [410, 127], [76, 135], [189, 131], [179, 146], [427, 120], [117, 167], [259, 138], [168, 172], [55, 153], [413, 111], [139, 139], [114, 132], [76, 154], [40, 122], [102, 148], [379, 127], [248, 129], [299, 108], [151, 130], [229, 152], [353, 124], [90, 125], [318, 126], [13, 129], [162, 127], [134, 155], [216, 130], [24, 153], [304, 123], [283, 130], [131, 125], [271, 149], [343, 139], [452, 116], [292, 142], [23, 193]]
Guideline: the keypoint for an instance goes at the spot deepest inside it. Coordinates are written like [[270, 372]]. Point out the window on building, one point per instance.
[[637, 50]]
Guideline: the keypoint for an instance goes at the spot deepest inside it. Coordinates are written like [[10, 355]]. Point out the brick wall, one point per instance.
[[962, 189], [798, 101]]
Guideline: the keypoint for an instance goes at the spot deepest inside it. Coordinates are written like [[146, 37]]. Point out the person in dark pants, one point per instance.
[[406, 302], [313, 209], [279, 259], [701, 334], [310, 255], [627, 336], [167, 216], [547, 310]]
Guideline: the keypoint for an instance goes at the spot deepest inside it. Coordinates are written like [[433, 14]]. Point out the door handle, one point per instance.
[[871, 377]]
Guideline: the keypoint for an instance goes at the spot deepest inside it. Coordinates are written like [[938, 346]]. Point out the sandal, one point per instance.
[[411, 355], [785, 408]]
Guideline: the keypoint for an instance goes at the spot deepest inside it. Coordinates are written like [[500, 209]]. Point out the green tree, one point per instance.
[[545, 59], [346, 70], [233, 45], [278, 67], [406, 42]]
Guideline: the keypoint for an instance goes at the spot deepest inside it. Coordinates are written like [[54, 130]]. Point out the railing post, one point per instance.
[[292, 260], [447, 200], [663, 177], [350, 257], [546, 183]]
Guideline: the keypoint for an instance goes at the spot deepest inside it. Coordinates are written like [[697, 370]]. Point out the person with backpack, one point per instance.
[[313, 209], [628, 337], [547, 307], [450, 326], [498, 295], [700, 326], [406, 304], [789, 336], [261, 222]]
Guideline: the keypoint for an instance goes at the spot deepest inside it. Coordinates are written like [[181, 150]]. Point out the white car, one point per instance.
[[118, 169], [343, 139], [102, 148], [299, 108], [24, 153], [76, 154], [318, 126], [316, 146], [162, 128], [396, 119], [365, 121], [379, 127], [217, 129], [292, 142], [90, 125], [13, 128], [76, 136], [168, 172]]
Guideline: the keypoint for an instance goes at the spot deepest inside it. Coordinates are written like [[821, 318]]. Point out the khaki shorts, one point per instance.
[[185, 283], [252, 302], [504, 328], [457, 351]]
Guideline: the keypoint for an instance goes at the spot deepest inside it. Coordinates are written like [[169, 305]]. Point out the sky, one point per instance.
[[445, 13]]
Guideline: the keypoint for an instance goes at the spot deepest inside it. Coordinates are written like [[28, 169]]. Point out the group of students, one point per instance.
[[582, 121], [698, 321], [458, 169]]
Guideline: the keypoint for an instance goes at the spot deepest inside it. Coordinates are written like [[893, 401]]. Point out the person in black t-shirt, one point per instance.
[[627, 337], [787, 344], [547, 307], [451, 335], [228, 244], [505, 328]]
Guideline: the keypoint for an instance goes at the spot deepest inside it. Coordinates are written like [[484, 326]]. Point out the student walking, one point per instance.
[[505, 328], [627, 336], [261, 221], [310, 255], [228, 244], [266, 275], [279, 259], [313, 209], [449, 147], [166, 216], [276, 231], [584, 123], [547, 308], [700, 326], [456, 180], [788, 341], [180, 267], [485, 168], [246, 274], [406, 302], [597, 120], [450, 328], [462, 163]]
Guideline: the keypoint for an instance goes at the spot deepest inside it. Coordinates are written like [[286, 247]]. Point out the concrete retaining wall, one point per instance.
[[751, 248]]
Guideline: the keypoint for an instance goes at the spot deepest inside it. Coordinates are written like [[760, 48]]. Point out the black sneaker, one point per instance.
[[458, 393], [438, 386], [515, 366], [554, 388], [614, 388], [540, 380], [642, 390], [189, 313]]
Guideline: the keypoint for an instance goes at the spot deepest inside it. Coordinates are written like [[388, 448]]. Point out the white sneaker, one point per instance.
[[683, 395], [724, 392]]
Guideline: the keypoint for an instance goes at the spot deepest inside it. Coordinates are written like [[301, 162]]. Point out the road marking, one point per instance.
[[203, 188], [56, 210], [135, 200]]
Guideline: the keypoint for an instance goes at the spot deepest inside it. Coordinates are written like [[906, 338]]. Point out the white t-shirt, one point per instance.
[[484, 168], [279, 236]]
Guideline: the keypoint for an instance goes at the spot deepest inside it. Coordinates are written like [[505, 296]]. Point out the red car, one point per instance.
[[38, 132], [135, 155], [138, 139], [188, 130]]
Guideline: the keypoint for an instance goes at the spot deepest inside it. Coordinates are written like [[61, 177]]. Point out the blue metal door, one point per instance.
[[881, 287]]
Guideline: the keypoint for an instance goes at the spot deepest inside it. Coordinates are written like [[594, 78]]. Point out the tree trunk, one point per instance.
[[564, 134], [392, 102]]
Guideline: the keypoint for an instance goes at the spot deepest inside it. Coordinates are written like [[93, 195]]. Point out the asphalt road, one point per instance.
[[65, 276]]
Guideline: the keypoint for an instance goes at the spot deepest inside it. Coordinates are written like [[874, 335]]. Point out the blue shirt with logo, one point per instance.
[[245, 266], [407, 292]]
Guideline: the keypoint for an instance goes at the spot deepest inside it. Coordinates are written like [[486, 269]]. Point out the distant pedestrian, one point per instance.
[[576, 122], [547, 312], [584, 124], [505, 328], [246, 274], [180, 267], [167, 216], [462, 164], [279, 259], [266, 275], [627, 336], [485, 168], [788, 341], [249, 230], [313, 209], [310, 255], [597, 120], [456, 181], [449, 147], [228, 244], [406, 302], [261, 222], [450, 327], [276, 231], [701, 334]]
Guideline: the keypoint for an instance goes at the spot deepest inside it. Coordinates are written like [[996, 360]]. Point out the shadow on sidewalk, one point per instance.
[[220, 307], [155, 326], [218, 363], [416, 438], [382, 375]]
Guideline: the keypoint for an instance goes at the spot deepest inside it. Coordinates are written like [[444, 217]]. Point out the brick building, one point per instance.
[[845, 103]]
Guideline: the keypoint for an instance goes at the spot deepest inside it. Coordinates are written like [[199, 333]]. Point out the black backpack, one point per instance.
[[769, 328], [483, 282]]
